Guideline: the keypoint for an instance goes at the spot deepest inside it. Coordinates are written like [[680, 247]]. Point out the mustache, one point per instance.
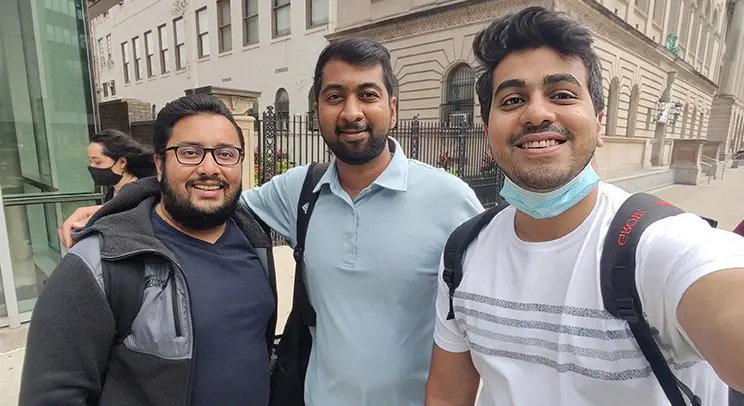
[[354, 127], [210, 179], [542, 128]]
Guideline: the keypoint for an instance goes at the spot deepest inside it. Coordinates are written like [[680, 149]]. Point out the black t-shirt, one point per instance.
[[231, 304]]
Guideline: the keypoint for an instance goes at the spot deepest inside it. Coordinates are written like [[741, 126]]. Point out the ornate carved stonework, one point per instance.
[[458, 16], [179, 7]]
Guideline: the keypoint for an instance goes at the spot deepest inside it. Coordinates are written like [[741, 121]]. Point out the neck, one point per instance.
[[211, 236], [541, 230], [354, 178], [124, 180]]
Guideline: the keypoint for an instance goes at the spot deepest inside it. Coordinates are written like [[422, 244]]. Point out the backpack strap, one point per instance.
[[457, 244], [619, 291], [304, 210], [124, 284]]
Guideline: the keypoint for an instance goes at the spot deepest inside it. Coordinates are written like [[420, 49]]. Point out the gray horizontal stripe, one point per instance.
[[570, 367], [541, 325], [537, 307], [561, 348]]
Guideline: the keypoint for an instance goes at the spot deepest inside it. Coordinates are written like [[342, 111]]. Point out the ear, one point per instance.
[[393, 111], [122, 164], [488, 139], [599, 142], [159, 162]]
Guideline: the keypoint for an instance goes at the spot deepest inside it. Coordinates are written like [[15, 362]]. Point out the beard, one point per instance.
[[358, 152], [546, 177], [192, 217]]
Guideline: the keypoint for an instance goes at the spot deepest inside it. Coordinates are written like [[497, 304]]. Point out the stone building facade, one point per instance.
[[662, 63]]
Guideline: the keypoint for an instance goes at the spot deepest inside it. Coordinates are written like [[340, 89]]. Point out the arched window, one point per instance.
[[281, 106], [633, 112], [312, 114], [612, 102], [459, 88]]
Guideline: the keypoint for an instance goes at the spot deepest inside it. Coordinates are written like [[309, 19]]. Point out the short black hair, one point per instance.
[[117, 144], [531, 28], [190, 105], [357, 52]]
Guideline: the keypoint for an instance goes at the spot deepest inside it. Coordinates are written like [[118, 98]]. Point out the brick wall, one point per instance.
[[142, 132], [131, 116]]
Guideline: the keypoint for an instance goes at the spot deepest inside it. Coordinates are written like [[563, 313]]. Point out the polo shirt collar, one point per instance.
[[394, 177]]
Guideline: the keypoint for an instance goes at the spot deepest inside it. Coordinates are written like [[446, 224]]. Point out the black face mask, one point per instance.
[[104, 176]]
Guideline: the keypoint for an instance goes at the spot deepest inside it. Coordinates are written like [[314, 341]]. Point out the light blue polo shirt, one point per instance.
[[371, 269]]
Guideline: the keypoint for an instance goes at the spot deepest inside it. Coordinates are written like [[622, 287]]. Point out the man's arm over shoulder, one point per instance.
[[69, 339], [468, 205], [691, 281], [453, 379], [275, 202]]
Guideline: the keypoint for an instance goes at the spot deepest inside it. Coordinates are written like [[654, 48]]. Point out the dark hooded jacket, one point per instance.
[[73, 356]]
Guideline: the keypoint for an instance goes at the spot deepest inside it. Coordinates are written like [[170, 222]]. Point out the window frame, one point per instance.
[[275, 7], [202, 37], [163, 50], [249, 19], [223, 26]]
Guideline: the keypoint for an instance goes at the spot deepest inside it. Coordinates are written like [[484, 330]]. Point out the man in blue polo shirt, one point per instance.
[[374, 241]]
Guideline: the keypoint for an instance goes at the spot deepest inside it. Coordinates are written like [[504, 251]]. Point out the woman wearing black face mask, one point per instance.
[[117, 159]]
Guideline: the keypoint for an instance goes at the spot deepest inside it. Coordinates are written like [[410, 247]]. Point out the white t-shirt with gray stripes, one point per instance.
[[532, 316]]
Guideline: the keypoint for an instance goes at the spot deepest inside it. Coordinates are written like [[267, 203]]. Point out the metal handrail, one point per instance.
[[709, 171], [723, 169]]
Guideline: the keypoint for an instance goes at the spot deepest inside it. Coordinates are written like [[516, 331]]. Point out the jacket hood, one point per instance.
[[124, 222]]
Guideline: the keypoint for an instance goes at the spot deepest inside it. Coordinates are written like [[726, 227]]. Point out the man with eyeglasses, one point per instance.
[[169, 296]]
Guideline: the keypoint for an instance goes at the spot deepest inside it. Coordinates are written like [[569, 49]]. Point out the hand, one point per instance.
[[78, 219]]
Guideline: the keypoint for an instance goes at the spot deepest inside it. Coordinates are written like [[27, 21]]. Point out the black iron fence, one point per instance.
[[286, 142]]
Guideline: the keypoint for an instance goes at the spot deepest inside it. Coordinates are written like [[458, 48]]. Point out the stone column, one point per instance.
[[247, 124], [731, 78], [686, 155]]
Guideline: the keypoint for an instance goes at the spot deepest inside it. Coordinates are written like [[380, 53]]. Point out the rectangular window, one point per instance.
[[179, 35], [202, 32], [149, 54], [113, 88], [224, 33], [137, 58], [110, 58], [163, 40], [250, 22], [125, 60], [105, 89], [281, 18], [317, 13], [101, 59], [659, 9]]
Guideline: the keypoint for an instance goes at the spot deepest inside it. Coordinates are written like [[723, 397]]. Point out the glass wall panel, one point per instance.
[[46, 118], [46, 109]]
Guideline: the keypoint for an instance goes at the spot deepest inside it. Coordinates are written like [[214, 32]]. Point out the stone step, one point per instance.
[[644, 181]]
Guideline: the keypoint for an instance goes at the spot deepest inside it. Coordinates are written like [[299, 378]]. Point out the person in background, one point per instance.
[[117, 159]]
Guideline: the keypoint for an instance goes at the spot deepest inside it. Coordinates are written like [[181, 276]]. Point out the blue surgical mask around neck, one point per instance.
[[542, 205]]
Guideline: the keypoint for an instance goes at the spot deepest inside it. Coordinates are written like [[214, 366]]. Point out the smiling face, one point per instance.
[[355, 111], [204, 195], [542, 126]]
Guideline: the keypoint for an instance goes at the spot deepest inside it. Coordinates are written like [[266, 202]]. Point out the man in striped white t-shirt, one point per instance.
[[529, 317]]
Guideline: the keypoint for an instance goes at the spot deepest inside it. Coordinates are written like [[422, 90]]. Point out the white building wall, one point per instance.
[[264, 67]]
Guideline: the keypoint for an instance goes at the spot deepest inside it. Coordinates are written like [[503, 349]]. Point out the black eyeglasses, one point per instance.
[[193, 155]]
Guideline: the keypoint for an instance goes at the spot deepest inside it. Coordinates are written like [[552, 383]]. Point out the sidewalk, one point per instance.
[[722, 200]]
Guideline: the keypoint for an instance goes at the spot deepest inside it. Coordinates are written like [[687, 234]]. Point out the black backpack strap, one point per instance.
[[619, 291], [124, 284], [457, 244], [304, 211]]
